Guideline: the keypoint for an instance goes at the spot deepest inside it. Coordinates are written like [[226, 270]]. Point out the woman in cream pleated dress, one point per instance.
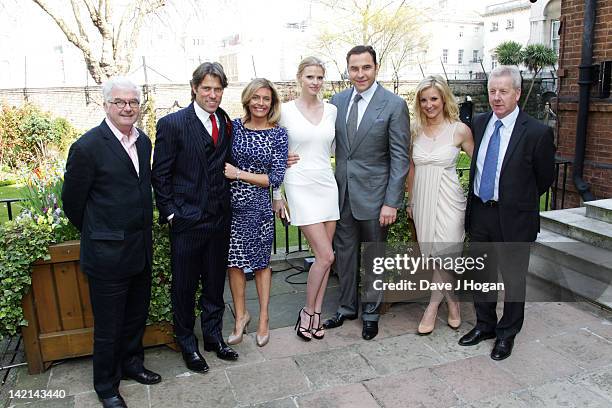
[[310, 186], [437, 199]]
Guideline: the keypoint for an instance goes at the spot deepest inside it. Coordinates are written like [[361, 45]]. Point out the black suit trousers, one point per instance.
[[512, 261], [199, 255], [120, 308]]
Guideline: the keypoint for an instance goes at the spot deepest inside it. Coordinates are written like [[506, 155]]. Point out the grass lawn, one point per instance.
[[9, 192]]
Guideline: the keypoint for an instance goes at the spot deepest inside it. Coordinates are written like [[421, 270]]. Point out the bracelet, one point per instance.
[[238, 175]]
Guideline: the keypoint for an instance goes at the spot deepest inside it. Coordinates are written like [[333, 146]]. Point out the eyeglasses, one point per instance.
[[120, 103]]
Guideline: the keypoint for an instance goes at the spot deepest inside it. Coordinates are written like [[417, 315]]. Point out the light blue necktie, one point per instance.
[[489, 170]]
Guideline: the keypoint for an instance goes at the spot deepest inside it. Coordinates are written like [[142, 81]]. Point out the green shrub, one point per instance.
[[30, 137]]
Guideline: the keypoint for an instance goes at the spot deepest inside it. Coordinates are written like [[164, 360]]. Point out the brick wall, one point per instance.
[[598, 159]]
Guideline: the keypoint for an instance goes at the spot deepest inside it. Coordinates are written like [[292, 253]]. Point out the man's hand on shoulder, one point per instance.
[[388, 215]]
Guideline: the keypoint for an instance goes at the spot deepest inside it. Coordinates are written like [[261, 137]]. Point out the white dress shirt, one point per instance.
[[504, 132], [205, 118], [362, 105]]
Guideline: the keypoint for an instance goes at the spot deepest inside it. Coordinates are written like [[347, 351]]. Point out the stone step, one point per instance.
[[584, 258], [574, 223], [580, 284], [600, 210]]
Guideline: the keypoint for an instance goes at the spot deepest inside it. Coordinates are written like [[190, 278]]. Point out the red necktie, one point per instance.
[[215, 129]]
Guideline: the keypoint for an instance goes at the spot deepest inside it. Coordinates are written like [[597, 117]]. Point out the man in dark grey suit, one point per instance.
[[512, 166], [372, 139]]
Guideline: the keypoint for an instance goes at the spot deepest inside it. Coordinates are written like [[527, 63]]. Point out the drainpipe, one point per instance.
[[585, 80]]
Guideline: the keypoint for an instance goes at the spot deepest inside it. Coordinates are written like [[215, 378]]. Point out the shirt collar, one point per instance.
[[367, 94], [509, 120], [131, 137], [201, 113]]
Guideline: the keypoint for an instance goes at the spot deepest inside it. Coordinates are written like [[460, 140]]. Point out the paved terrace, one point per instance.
[[563, 357]]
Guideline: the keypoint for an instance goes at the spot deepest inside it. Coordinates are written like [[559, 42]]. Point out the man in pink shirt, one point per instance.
[[107, 196]]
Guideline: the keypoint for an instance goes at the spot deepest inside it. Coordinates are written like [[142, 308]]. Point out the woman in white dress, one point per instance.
[[437, 199], [310, 186]]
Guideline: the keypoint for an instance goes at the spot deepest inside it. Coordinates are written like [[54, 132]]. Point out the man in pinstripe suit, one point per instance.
[[193, 196]]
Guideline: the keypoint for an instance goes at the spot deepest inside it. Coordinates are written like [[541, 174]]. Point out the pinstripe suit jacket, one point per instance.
[[187, 173]]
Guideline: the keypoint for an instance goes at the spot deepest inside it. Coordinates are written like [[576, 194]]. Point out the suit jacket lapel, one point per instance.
[[115, 145], [143, 160], [517, 134], [478, 136], [342, 112], [197, 133], [376, 105]]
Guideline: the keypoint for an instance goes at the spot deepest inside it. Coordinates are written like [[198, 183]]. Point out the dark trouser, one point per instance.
[[198, 255], [120, 309], [350, 233], [512, 261]]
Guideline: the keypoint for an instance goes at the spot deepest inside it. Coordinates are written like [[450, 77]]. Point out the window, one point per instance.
[[475, 56], [460, 31], [494, 26], [442, 3], [555, 38], [493, 61], [460, 57], [476, 29], [445, 56], [510, 24]]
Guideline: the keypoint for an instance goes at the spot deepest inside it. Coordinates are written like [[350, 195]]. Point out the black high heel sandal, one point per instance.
[[319, 329], [301, 330]]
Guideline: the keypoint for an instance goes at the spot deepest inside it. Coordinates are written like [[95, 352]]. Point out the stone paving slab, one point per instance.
[[563, 394], [354, 395], [476, 378], [269, 380], [418, 388]]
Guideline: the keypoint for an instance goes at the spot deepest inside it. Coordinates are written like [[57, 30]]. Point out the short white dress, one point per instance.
[[310, 186]]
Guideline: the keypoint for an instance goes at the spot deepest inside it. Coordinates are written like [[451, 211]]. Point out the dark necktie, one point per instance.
[[489, 169], [351, 123], [215, 129]]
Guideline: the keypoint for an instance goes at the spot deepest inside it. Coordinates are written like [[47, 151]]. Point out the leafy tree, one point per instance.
[[535, 58], [509, 53]]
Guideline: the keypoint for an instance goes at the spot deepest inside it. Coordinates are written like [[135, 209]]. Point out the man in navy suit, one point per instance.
[[193, 196], [513, 165], [107, 196]]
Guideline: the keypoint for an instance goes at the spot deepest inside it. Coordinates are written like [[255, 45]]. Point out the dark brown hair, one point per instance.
[[360, 49], [207, 68]]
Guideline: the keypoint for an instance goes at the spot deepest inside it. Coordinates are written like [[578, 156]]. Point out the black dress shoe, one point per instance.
[[116, 401], [195, 362], [337, 320], [475, 336], [370, 330], [224, 352], [502, 349], [144, 377]]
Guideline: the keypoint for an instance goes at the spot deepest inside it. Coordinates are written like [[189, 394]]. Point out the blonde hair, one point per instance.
[[249, 91], [309, 62], [450, 110]]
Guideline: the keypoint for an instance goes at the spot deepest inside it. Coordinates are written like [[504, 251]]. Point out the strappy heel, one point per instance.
[[316, 330], [303, 332]]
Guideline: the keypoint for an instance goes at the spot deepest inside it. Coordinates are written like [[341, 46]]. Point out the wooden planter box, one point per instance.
[[59, 315]]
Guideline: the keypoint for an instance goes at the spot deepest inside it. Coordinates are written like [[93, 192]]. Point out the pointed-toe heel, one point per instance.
[[234, 339]]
